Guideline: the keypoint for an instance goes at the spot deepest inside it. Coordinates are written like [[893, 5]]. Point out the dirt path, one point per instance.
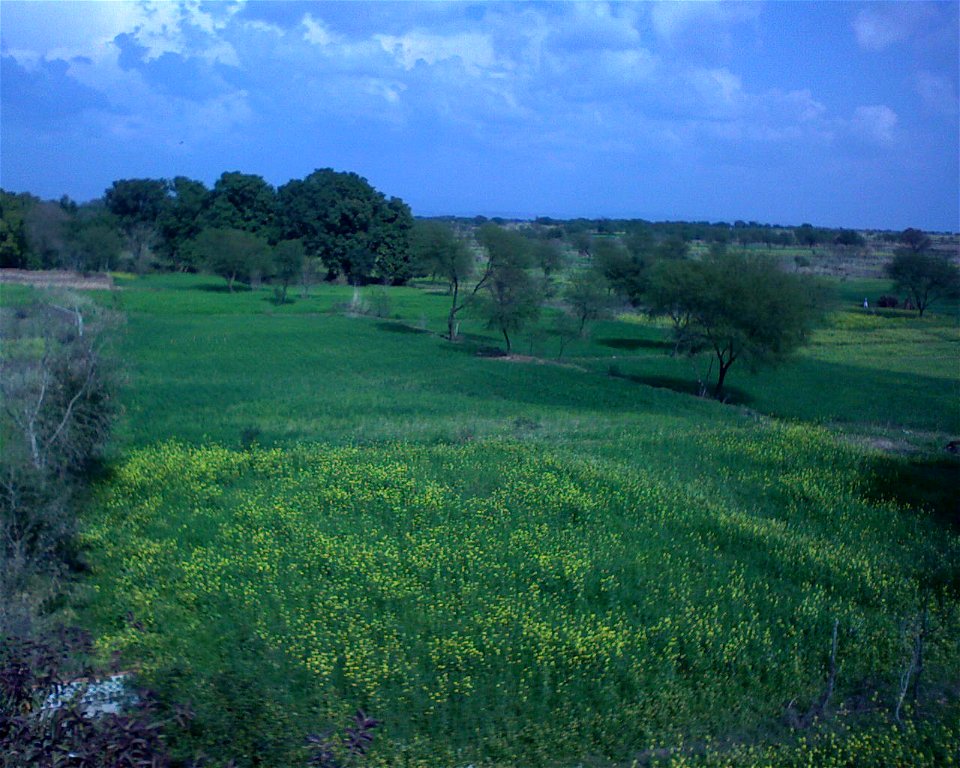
[[57, 278]]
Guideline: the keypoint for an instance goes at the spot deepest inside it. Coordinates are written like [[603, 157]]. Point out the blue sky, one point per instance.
[[834, 113]]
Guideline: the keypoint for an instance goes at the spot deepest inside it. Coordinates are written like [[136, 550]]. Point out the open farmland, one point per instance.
[[512, 563]]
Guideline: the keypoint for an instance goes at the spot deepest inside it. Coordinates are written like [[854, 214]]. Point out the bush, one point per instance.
[[890, 302], [57, 385]]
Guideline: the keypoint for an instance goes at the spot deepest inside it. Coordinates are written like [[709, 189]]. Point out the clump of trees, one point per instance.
[[339, 219], [357, 232], [437, 251]]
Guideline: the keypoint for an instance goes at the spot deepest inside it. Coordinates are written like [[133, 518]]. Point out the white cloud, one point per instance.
[[69, 30], [802, 104], [880, 26], [317, 32], [475, 50], [385, 89], [84, 34], [672, 20], [171, 27], [717, 85], [263, 26], [939, 93], [875, 123], [597, 25]]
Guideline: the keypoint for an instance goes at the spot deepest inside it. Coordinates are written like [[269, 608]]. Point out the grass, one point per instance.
[[522, 562], [355, 379]]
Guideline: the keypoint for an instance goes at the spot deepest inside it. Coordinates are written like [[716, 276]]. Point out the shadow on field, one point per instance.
[[634, 343], [218, 288], [930, 484], [401, 328], [468, 344], [732, 395]]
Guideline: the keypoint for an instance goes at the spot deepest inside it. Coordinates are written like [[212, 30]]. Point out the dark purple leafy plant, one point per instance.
[[356, 740], [66, 734]]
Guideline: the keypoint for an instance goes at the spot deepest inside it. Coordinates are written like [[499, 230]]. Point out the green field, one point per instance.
[[527, 562]]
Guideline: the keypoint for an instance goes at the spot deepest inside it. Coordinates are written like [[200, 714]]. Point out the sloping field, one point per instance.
[[512, 564], [501, 602]]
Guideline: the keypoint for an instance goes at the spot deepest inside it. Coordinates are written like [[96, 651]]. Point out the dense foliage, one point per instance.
[[355, 230], [142, 224]]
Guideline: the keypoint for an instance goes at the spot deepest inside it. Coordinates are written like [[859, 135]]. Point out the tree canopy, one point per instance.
[[230, 253], [734, 307], [241, 201], [138, 204], [352, 227], [925, 275]]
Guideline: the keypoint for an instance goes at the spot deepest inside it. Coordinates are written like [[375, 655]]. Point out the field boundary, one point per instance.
[[57, 278]]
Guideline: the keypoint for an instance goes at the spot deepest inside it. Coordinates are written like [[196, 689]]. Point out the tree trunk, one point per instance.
[[452, 317], [35, 449], [506, 338], [721, 375]]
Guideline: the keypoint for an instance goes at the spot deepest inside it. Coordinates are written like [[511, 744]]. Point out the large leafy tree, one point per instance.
[[14, 251], [624, 268], [93, 239], [288, 264], [915, 239], [138, 204], [242, 201], [347, 223], [47, 227], [587, 295], [925, 275], [182, 220], [734, 307], [390, 242]]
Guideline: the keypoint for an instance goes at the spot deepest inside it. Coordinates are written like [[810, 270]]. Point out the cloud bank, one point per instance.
[[568, 108]]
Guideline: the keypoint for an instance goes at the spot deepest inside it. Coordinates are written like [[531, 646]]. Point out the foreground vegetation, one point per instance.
[[512, 604], [515, 563]]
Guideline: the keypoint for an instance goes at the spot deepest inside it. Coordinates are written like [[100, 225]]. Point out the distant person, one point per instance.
[[866, 304]]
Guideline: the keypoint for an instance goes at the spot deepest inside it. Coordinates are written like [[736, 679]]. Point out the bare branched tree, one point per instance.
[[57, 383]]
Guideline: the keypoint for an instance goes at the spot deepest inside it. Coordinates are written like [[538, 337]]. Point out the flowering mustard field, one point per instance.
[[505, 603]]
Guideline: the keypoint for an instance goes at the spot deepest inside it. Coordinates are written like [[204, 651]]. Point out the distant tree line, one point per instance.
[[742, 233], [330, 224]]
